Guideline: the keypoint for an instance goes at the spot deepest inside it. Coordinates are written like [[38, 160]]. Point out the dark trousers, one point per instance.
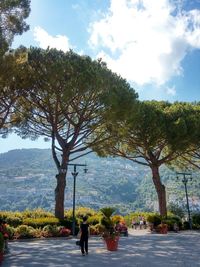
[[84, 244]]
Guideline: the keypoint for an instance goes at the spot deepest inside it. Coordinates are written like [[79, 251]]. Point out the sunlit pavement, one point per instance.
[[139, 249]]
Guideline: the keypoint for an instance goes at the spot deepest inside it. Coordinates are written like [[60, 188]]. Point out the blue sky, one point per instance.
[[155, 45]]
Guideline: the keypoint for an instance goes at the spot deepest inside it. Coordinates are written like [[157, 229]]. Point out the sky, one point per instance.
[[155, 45]]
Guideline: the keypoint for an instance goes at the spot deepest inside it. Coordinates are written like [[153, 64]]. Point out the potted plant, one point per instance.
[[153, 221], [162, 228], [1, 247], [109, 234]]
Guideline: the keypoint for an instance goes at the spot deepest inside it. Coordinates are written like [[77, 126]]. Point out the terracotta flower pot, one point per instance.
[[112, 243], [163, 229]]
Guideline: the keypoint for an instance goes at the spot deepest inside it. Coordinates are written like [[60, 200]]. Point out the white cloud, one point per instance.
[[171, 91], [61, 42], [147, 41]]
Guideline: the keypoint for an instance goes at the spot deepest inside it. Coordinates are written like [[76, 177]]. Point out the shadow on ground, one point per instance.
[[145, 250]]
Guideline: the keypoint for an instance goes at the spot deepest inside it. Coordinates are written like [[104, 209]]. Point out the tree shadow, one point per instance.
[[180, 250]]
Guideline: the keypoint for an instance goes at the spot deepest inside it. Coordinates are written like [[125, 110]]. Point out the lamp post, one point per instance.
[[74, 174], [185, 179]]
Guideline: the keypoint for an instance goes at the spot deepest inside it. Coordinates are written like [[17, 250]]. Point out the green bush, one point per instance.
[[36, 213], [37, 232], [10, 230], [117, 218], [155, 219], [83, 211], [171, 220], [67, 223], [195, 226], [24, 231], [186, 226], [3, 215], [40, 222], [13, 220], [51, 230], [80, 212], [10, 214], [95, 219], [176, 209], [196, 218]]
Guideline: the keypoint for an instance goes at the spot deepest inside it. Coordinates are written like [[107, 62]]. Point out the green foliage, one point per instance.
[[108, 211], [176, 209], [40, 222], [51, 230], [8, 94], [93, 230], [37, 213], [107, 223], [94, 219], [84, 211], [155, 219], [81, 93], [106, 220], [156, 133], [14, 221], [12, 218], [24, 231], [196, 218], [186, 225], [12, 16], [117, 219], [10, 230], [171, 220], [37, 233]]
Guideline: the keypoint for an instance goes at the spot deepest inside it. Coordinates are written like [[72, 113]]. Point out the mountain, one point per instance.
[[27, 180]]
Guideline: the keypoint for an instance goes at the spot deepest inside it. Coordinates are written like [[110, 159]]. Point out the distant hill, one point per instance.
[[27, 180]]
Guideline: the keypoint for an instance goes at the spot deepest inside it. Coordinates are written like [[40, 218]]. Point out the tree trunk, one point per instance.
[[160, 189], [60, 195]]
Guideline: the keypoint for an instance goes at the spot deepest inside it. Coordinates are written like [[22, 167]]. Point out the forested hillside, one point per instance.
[[27, 180]]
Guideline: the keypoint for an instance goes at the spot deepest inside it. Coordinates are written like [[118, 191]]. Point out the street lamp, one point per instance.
[[185, 179], [74, 174]]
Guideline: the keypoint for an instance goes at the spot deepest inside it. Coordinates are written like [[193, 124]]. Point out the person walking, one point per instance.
[[84, 228], [140, 221], [3, 230]]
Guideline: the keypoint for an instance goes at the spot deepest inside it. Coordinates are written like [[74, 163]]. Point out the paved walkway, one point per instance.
[[139, 249]]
